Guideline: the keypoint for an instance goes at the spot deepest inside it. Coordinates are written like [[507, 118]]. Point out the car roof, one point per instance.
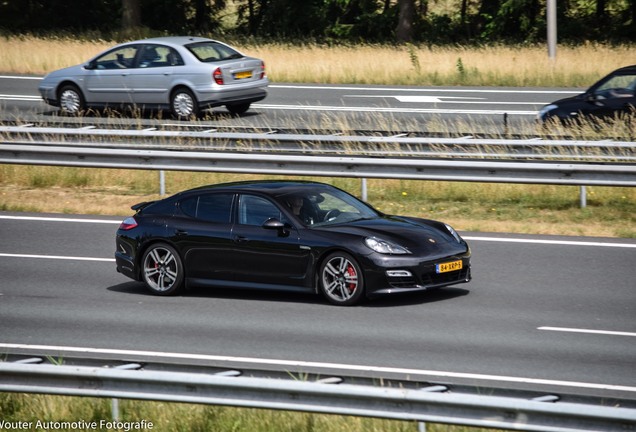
[[174, 40], [268, 187], [629, 69]]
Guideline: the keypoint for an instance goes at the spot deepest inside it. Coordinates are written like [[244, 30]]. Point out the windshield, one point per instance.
[[322, 207], [617, 86], [213, 51]]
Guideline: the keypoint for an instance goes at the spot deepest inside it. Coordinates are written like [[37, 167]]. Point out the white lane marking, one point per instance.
[[443, 99], [20, 77], [390, 110], [551, 242], [20, 97], [589, 331], [59, 219], [396, 89], [422, 99], [423, 90], [471, 238], [56, 257], [309, 364]]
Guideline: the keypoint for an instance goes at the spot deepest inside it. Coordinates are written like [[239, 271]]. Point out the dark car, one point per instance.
[[611, 97], [286, 235], [184, 74]]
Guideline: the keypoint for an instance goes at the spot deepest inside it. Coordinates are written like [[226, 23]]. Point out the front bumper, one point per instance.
[[399, 275]]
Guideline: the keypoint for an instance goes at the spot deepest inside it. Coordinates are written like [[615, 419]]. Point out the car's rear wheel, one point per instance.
[[183, 104], [341, 280], [238, 109], [162, 269], [71, 100]]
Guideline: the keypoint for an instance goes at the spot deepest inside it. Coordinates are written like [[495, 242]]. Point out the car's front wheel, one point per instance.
[[341, 280], [183, 104], [71, 100], [162, 269]]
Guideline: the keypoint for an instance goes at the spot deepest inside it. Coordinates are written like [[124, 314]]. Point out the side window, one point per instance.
[[173, 58], [121, 58], [149, 56], [254, 210], [159, 56], [215, 208], [189, 206]]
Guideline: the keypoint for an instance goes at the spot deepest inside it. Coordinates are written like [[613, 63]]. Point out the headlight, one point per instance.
[[453, 233], [546, 109], [385, 247]]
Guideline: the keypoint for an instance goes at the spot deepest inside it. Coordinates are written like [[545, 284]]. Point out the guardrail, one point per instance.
[[401, 145], [562, 173], [420, 158], [426, 403]]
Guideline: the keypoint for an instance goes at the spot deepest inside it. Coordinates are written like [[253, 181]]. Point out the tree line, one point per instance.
[[330, 21]]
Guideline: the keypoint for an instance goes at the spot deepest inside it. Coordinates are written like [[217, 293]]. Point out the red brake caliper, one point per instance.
[[352, 274]]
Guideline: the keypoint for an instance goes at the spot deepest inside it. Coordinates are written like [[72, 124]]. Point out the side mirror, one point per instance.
[[89, 65], [275, 224]]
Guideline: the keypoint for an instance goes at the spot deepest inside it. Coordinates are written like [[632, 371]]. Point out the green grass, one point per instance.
[[178, 417]]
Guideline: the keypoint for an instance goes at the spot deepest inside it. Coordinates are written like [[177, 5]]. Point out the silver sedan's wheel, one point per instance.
[[71, 100], [183, 104], [341, 279], [162, 269]]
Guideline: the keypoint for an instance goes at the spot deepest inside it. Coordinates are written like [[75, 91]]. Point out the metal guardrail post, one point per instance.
[[583, 197]]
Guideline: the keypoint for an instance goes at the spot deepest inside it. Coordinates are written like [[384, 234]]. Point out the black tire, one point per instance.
[[162, 269], [183, 104], [341, 280], [238, 109], [71, 100]]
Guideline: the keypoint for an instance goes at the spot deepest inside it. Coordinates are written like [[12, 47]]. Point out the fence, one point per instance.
[[428, 403]]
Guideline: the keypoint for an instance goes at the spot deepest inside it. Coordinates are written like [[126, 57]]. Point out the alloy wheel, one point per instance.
[[162, 270], [341, 279]]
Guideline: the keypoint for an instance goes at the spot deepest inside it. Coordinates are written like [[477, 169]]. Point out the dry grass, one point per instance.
[[508, 208], [531, 209], [496, 65], [408, 65]]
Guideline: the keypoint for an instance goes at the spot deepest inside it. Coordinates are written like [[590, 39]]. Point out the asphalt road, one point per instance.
[[323, 106], [545, 312]]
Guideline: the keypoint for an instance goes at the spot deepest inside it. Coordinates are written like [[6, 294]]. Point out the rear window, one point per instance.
[[213, 51]]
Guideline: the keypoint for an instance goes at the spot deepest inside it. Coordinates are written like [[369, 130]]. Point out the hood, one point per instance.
[[569, 100], [67, 72], [417, 235]]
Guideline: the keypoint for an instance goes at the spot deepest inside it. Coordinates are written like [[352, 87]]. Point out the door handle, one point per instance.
[[241, 239]]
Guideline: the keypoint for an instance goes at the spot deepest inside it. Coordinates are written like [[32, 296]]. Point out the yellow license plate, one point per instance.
[[449, 266], [243, 75]]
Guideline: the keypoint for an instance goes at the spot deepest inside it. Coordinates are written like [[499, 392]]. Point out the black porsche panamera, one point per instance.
[[286, 235]]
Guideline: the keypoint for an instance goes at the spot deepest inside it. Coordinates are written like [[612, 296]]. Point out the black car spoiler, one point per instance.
[[141, 205]]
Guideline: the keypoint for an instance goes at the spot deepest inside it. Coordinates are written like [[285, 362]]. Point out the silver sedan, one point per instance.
[[184, 74]]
